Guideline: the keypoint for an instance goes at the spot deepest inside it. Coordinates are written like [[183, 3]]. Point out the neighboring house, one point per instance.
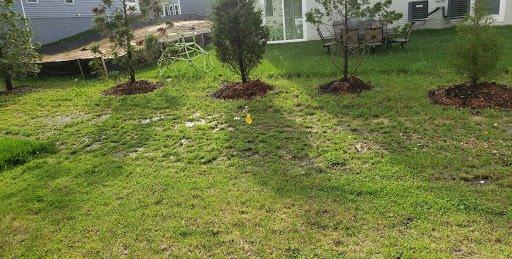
[[184, 8], [286, 18], [52, 20]]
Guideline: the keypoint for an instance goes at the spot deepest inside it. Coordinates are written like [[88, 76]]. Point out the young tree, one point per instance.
[[114, 22], [18, 56], [347, 11], [239, 35], [152, 9], [479, 47]]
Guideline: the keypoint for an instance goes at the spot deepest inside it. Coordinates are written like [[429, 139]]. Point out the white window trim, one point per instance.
[[304, 26], [498, 17], [177, 9], [30, 2]]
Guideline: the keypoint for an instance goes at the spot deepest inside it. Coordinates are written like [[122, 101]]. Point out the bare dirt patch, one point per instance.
[[128, 88], [164, 34], [483, 95], [18, 90], [245, 91], [352, 85]]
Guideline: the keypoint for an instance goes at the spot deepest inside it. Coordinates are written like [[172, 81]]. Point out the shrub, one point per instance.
[[239, 35], [114, 22], [478, 48], [18, 56], [152, 49]]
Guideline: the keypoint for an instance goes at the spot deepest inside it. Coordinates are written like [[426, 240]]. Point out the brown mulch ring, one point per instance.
[[352, 85], [128, 88], [18, 90], [482, 95], [245, 91]]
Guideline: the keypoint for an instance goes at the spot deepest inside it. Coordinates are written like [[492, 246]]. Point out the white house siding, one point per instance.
[[53, 20], [198, 7], [436, 20]]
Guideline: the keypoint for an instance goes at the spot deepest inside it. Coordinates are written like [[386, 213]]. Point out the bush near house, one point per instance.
[[18, 56], [478, 48], [475, 56]]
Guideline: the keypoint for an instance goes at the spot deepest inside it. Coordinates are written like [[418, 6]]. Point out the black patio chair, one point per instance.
[[374, 37], [405, 37], [327, 43], [351, 37]]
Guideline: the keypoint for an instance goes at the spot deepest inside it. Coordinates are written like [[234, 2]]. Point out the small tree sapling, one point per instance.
[[113, 19], [239, 35], [18, 56], [345, 12], [478, 48]]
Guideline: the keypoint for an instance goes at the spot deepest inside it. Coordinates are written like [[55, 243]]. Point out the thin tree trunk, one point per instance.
[[241, 65], [132, 75], [345, 45], [345, 62], [473, 81], [8, 82], [244, 76], [129, 50]]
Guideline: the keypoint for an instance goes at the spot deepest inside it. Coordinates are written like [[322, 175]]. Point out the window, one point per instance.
[[32, 1], [176, 9], [269, 8], [494, 7], [458, 8], [69, 1]]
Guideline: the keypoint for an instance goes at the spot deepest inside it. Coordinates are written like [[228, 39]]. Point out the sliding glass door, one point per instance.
[[285, 20]]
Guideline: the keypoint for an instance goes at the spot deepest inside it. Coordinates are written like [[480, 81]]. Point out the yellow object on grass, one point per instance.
[[248, 118]]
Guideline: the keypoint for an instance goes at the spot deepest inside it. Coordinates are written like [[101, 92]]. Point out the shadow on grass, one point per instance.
[[305, 151]]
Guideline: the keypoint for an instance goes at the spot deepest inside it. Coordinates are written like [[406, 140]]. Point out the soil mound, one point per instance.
[[483, 95], [245, 91]]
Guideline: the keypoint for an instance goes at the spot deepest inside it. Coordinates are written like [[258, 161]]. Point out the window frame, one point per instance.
[[32, 1], [177, 10], [500, 17]]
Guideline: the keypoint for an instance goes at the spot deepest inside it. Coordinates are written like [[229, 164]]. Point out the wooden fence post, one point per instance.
[[80, 67], [104, 65]]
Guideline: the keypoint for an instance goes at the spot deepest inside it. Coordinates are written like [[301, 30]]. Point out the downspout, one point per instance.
[[23, 9]]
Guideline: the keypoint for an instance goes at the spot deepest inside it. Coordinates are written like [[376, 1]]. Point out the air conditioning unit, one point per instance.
[[458, 8], [418, 10]]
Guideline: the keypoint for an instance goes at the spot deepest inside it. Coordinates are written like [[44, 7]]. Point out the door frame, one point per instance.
[[304, 25]]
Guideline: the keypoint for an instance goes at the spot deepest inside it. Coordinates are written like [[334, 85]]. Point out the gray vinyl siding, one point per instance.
[[58, 8], [47, 30], [201, 7], [53, 20]]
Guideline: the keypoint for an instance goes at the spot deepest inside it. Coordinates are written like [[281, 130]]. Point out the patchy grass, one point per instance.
[[15, 152], [177, 173]]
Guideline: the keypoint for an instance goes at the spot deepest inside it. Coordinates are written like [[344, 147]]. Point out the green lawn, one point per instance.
[[177, 173], [14, 151]]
